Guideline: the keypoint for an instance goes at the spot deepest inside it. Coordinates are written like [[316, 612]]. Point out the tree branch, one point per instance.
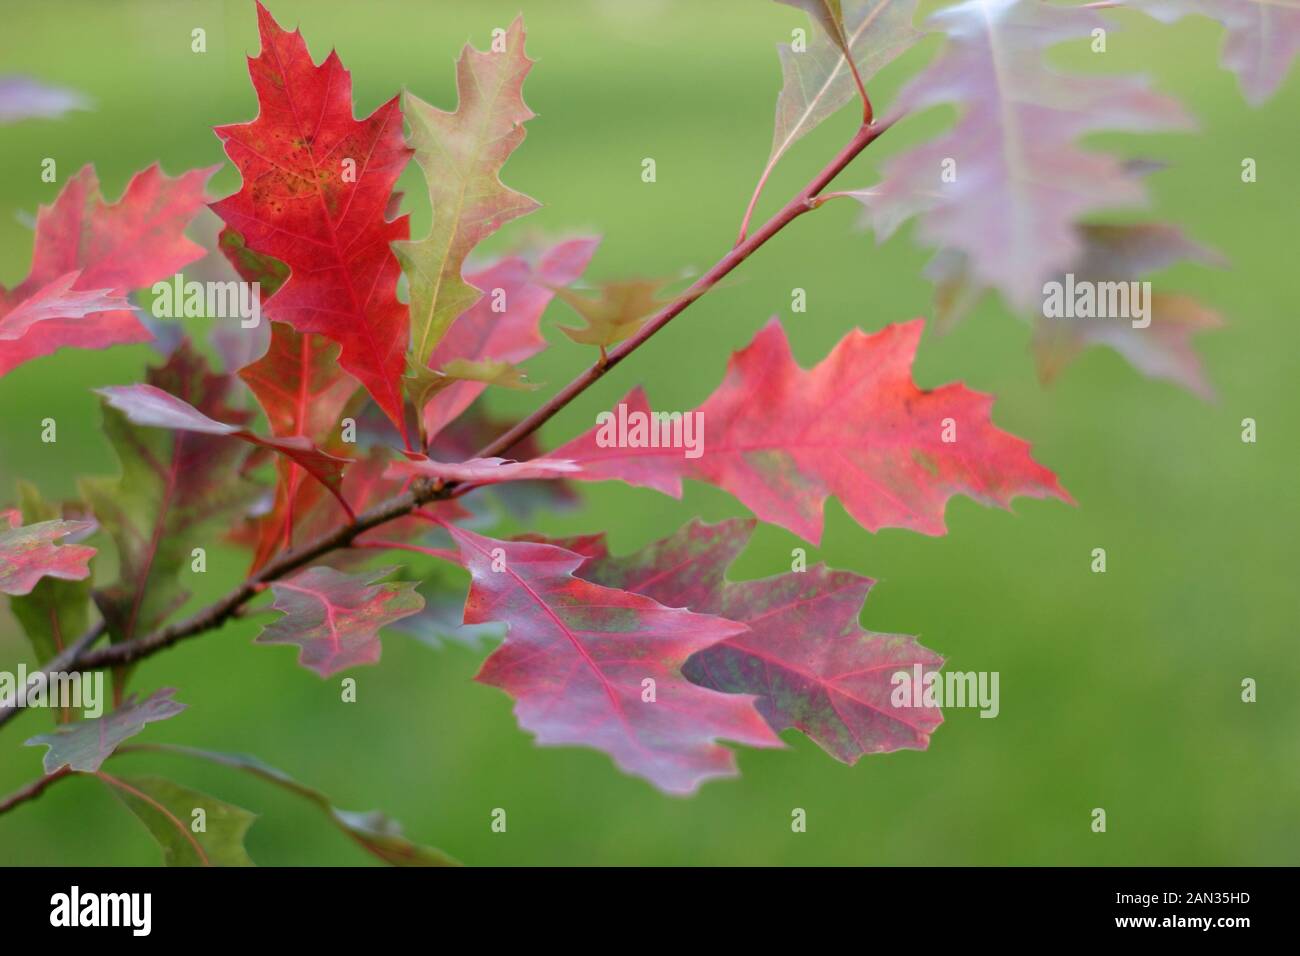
[[423, 492], [213, 616], [32, 790], [61, 662]]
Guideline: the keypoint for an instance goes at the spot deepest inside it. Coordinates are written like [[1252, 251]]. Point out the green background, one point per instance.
[[1119, 691]]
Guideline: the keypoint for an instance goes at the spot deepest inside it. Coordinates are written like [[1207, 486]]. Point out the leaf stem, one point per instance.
[[60, 662]]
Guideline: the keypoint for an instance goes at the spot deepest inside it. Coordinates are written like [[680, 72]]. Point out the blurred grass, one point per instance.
[[1118, 690]]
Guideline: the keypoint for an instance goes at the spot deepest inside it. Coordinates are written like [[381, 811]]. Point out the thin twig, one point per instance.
[[32, 790], [213, 616], [63, 661]]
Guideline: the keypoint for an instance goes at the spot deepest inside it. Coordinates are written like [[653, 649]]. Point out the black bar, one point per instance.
[[333, 906]]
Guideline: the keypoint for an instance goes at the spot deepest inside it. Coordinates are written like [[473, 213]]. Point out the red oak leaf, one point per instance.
[[59, 300], [804, 655], [335, 618], [480, 471], [856, 426], [598, 667], [316, 184], [299, 385], [504, 324], [29, 553], [315, 514], [84, 245], [590, 546], [151, 407], [303, 391], [55, 611]]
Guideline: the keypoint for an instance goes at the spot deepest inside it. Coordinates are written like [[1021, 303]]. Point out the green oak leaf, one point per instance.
[[84, 745], [461, 154], [374, 831], [168, 811]]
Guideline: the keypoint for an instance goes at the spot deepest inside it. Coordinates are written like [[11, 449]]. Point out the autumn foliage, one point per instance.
[[363, 444]]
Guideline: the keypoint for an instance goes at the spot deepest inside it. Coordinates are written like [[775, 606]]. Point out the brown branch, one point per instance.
[[213, 616], [421, 493], [63, 661], [32, 790]]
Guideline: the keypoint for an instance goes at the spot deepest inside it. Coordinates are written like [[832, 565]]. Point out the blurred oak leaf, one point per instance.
[[374, 831], [1007, 184], [1161, 350], [22, 97], [1263, 37], [616, 312]]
